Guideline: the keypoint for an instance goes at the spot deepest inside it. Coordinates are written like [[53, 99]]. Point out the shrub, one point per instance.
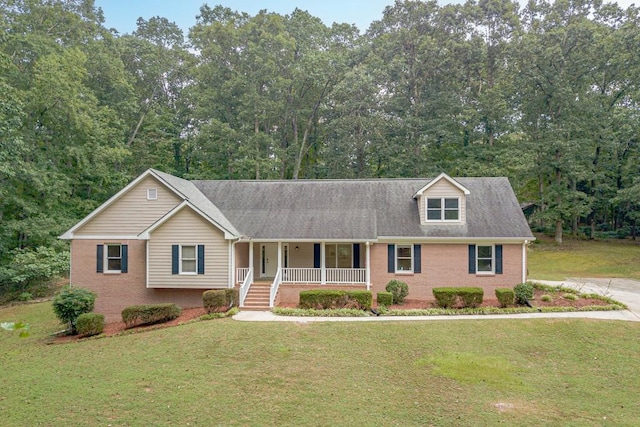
[[471, 296], [233, 297], [468, 296], [505, 296], [332, 299], [363, 298], [398, 289], [546, 298], [571, 297], [25, 296], [523, 292], [215, 301], [445, 297], [70, 303], [384, 299], [89, 324], [149, 313]]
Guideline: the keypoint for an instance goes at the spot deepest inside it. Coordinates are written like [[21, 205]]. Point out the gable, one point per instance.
[[442, 188], [131, 212]]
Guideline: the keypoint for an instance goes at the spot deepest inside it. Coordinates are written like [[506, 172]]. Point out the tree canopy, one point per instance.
[[546, 94]]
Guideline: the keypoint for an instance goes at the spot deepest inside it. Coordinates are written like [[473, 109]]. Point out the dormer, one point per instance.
[[442, 201]]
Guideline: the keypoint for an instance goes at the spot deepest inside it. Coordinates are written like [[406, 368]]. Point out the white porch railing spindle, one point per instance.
[[241, 274], [274, 288]]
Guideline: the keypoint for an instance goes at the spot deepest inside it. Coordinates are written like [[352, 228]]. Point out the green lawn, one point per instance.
[[226, 372], [583, 258]]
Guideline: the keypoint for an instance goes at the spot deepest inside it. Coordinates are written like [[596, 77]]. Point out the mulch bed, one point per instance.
[[189, 314]]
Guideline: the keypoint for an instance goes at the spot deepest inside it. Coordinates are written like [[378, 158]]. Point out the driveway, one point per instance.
[[626, 291]]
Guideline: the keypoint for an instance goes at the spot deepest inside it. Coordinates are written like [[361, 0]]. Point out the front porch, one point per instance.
[[297, 266]]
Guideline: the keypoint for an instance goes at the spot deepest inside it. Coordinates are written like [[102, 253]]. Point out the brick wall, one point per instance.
[[446, 265], [117, 291]]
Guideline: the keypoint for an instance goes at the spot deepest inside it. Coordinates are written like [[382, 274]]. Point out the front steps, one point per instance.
[[258, 297]]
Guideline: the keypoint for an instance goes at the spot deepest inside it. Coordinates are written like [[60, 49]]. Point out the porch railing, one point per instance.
[[274, 288], [346, 275], [241, 274], [246, 284], [301, 275]]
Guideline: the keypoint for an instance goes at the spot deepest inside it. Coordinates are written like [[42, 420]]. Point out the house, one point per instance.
[[166, 239]]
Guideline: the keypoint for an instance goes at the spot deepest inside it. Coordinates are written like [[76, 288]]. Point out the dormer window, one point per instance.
[[443, 209]]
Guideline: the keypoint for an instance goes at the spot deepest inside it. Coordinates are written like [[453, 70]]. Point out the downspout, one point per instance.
[[232, 258], [524, 261], [368, 270]]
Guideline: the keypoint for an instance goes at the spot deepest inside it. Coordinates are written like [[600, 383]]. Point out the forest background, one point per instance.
[[546, 93]]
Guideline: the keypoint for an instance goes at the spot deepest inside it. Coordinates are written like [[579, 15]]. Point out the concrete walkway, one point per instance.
[[626, 291]]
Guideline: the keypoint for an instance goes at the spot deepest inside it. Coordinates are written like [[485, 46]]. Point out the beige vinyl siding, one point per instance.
[[132, 213], [442, 188], [188, 228]]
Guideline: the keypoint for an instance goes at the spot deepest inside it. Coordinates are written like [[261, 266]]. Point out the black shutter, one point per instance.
[[200, 259], [498, 259], [316, 255], [124, 265], [417, 264], [356, 255], [175, 259], [100, 259], [472, 259], [391, 258]]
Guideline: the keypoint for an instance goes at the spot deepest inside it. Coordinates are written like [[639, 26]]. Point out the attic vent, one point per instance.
[[152, 194]]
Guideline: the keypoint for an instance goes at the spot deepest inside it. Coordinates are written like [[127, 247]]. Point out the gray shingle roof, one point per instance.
[[360, 209]]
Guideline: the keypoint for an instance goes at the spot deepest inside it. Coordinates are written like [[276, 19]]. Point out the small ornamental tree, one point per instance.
[[70, 303]]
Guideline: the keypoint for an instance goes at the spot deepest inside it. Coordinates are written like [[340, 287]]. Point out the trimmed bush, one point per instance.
[[467, 296], [331, 299], [220, 300], [445, 297], [398, 289], [89, 324], [215, 301], [384, 299], [136, 315], [70, 303], [471, 296], [523, 292], [505, 296]]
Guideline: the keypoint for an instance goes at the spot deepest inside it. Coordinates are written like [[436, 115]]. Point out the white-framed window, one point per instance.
[[152, 194], [188, 259], [485, 259], [404, 259], [338, 255], [113, 258], [443, 208]]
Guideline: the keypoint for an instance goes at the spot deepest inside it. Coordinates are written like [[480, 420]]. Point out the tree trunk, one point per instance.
[[559, 232]]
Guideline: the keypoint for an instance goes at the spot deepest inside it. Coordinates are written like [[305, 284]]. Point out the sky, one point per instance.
[[123, 14]]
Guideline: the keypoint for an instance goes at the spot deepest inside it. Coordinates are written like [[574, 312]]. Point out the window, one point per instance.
[[443, 209], [187, 259], [111, 258], [338, 256], [152, 194], [484, 259], [114, 258], [404, 258]]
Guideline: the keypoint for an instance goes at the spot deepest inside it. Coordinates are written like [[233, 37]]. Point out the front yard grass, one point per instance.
[[583, 258], [224, 372]]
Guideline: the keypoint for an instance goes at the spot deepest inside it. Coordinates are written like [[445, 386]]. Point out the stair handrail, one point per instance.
[[244, 288], [274, 288]]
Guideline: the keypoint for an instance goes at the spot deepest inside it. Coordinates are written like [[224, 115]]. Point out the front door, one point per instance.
[[268, 259]]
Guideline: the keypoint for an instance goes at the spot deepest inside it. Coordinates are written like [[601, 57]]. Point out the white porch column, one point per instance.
[[251, 260], [232, 256], [323, 267], [279, 257], [368, 266]]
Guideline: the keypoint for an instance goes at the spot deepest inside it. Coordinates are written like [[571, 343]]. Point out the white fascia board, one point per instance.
[[107, 237], [438, 178], [69, 234], [458, 240], [294, 240], [146, 234]]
